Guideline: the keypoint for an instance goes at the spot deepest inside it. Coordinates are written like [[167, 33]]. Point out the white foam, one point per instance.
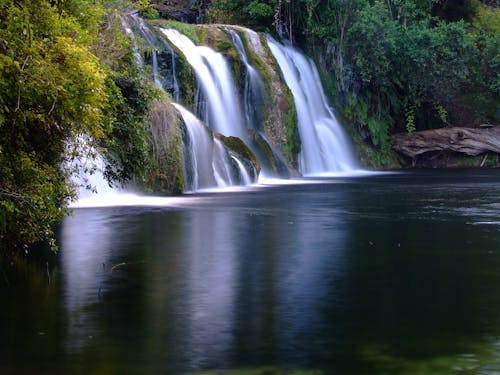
[[131, 200]]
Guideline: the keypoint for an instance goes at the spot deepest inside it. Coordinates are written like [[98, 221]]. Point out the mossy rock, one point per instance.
[[280, 115], [271, 161], [165, 170], [293, 145], [218, 39], [196, 33], [239, 147]]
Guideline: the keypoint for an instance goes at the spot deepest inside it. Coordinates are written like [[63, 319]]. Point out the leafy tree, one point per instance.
[[54, 88], [482, 91], [256, 13], [395, 64]]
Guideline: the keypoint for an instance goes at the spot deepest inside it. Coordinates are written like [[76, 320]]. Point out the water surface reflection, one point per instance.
[[237, 279], [381, 275]]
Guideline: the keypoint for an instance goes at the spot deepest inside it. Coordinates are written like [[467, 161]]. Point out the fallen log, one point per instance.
[[469, 141]]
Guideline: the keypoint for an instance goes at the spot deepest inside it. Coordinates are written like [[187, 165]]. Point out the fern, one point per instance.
[[410, 120]]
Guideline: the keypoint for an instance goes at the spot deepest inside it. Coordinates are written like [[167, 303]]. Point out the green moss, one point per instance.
[[280, 115], [263, 70], [165, 172], [375, 158], [370, 156], [194, 32], [265, 152], [187, 76], [257, 62], [383, 360], [292, 147], [239, 147], [220, 41]]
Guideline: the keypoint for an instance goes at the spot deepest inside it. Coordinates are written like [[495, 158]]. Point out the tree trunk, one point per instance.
[[469, 141]]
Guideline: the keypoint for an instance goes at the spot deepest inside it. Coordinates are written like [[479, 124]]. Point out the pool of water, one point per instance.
[[384, 274]]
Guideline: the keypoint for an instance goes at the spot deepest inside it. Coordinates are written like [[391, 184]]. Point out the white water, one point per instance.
[[158, 49], [220, 164], [245, 176], [211, 164], [128, 30], [217, 83], [325, 146], [91, 182], [253, 91], [90, 166]]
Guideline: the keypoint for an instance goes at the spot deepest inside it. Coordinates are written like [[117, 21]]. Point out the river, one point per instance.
[[394, 273]]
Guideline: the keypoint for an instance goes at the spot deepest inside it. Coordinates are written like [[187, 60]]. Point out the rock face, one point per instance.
[[469, 141]]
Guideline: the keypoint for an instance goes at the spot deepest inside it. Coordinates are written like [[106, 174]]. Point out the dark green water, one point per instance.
[[390, 274]]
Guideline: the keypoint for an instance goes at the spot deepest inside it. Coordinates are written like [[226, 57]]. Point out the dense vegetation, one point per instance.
[[68, 87], [395, 65]]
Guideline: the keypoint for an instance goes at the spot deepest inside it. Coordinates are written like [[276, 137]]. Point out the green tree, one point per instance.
[[52, 88], [256, 13], [481, 95], [395, 64], [66, 71]]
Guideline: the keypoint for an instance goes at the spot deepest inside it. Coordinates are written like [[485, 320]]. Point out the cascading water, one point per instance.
[[92, 181], [218, 102], [209, 163], [217, 84], [244, 175], [325, 146], [253, 91], [164, 76], [89, 168]]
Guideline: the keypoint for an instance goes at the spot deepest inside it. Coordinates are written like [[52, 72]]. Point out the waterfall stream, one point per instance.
[[325, 146], [253, 90], [225, 109], [160, 55], [208, 162], [217, 83]]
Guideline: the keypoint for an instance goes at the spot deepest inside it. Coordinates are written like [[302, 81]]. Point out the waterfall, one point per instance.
[[253, 91], [216, 82], [245, 176], [88, 169], [91, 180], [325, 146], [208, 162], [160, 54], [241, 113]]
